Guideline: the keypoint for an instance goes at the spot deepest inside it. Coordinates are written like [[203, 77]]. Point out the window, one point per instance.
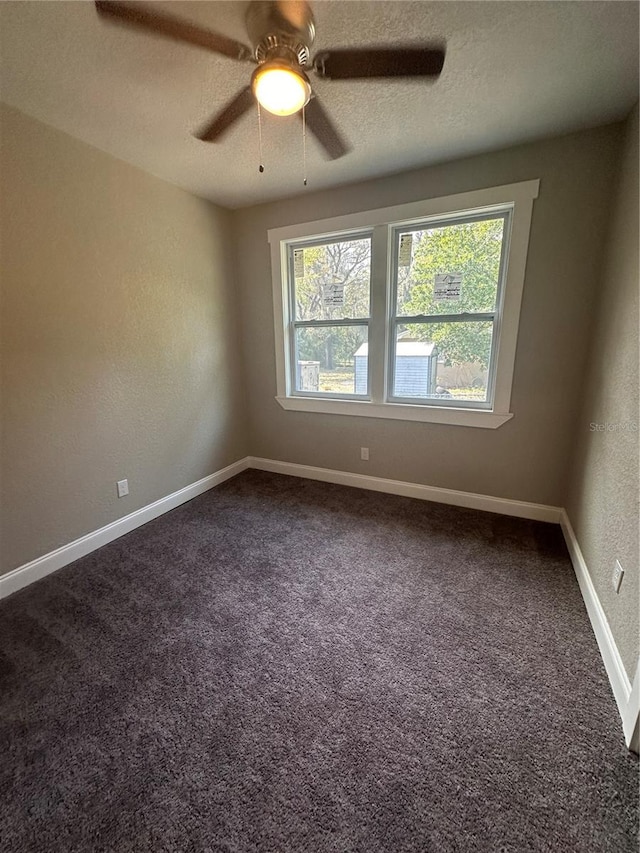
[[330, 285], [448, 279], [409, 312]]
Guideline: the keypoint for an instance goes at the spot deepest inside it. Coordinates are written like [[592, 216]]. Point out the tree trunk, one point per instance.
[[328, 348]]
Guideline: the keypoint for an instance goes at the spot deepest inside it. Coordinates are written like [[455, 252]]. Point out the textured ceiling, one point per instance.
[[514, 71]]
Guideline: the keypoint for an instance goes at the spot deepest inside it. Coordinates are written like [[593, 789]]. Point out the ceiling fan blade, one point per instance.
[[159, 23], [360, 63], [324, 130], [234, 110]]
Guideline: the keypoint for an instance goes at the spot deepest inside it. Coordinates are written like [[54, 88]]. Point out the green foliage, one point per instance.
[[472, 249]]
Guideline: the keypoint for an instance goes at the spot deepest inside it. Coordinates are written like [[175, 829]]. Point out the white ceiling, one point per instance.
[[514, 71]]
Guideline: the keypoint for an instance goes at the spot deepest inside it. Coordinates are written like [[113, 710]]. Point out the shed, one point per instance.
[[415, 370], [308, 376]]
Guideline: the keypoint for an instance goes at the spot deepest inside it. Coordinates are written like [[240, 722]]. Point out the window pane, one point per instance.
[[450, 269], [332, 359], [443, 361], [332, 282]]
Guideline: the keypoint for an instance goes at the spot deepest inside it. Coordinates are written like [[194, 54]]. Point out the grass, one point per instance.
[[341, 381], [479, 394]]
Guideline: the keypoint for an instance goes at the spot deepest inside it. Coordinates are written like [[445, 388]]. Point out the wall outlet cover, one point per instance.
[[618, 573], [123, 488]]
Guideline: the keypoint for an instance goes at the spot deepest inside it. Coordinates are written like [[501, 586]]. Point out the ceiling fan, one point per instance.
[[281, 33]]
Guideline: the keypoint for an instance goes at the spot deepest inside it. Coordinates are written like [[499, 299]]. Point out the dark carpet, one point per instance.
[[283, 665]]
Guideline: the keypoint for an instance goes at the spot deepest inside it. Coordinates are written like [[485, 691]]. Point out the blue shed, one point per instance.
[[415, 372]]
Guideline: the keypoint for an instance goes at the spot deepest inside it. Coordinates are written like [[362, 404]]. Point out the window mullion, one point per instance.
[[378, 327]]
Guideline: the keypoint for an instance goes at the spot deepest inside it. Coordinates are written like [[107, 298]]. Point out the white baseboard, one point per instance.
[[54, 560], [631, 718], [503, 506], [627, 696], [51, 562]]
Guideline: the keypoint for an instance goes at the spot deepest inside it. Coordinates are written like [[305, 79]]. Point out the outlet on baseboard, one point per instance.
[[364, 454], [123, 488], [618, 574]]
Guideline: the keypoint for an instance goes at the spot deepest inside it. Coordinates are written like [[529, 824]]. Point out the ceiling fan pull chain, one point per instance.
[[304, 146], [261, 166]]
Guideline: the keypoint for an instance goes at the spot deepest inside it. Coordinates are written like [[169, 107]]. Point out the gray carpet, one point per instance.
[[283, 665]]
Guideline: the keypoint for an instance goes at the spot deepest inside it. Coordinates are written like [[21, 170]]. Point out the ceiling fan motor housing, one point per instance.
[[281, 31], [281, 34]]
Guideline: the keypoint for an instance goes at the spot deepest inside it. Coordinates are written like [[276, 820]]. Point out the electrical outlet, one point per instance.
[[364, 454], [123, 488], [618, 573]]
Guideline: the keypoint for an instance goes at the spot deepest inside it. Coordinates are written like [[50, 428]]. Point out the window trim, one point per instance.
[[382, 221]]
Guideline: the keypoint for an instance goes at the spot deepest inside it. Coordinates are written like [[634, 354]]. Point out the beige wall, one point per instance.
[[603, 500], [120, 350], [525, 459]]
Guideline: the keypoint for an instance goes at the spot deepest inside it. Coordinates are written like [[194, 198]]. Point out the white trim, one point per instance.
[[399, 213], [627, 696], [631, 718], [280, 301], [54, 560], [396, 411], [509, 321], [503, 506], [517, 197]]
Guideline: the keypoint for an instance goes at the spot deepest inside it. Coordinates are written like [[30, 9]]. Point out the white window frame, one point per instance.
[[297, 324], [517, 198]]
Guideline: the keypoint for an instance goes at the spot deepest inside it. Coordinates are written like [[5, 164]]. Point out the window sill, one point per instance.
[[396, 411]]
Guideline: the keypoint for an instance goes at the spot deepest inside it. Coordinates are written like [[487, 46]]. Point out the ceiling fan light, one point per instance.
[[280, 90]]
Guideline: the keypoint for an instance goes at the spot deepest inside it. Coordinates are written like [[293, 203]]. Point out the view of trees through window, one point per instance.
[[450, 269], [453, 270], [332, 282]]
